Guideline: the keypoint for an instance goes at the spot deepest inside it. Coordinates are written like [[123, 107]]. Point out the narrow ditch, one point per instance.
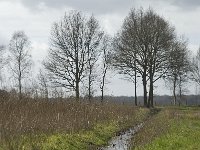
[[123, 140]]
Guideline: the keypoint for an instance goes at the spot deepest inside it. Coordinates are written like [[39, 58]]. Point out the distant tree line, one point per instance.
[[80, 54]]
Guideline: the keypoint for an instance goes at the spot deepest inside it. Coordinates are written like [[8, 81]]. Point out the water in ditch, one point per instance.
[[123, 141]]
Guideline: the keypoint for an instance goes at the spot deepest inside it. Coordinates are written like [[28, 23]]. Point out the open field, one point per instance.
[[172, 128], [56, 125]]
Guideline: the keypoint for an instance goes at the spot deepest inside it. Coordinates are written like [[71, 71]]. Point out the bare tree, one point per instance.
[[129, 73], [3, 61], [93, 43], [129, 54], [20, 57], [43, 83], [160, 38], [196, 68], [71, 40], [178, 66], [106, 56], [141, 47]]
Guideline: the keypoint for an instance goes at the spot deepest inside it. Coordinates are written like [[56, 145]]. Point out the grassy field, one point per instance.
[[172, 128], [62, 125]]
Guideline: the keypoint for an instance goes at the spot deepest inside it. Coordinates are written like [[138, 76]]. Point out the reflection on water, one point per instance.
[[123, 141]]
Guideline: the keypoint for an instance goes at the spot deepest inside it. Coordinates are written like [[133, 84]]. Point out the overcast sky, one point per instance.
[[36, 17]]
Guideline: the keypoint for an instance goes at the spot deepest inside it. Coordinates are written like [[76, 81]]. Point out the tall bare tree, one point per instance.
[[3, 61], [129, 73], [196, 68], [106, 59], [20, 58], [130, 55], [43, 83], [142, 45], [178, 66], [74, 41], [160, 38], [94, 38]]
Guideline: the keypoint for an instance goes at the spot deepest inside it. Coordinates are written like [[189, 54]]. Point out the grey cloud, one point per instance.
[[185, 5], [106, 6], [94, 6]]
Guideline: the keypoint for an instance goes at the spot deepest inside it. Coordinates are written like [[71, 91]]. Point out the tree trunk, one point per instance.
[[174, 90], [102, 94], [90, 74], [77, 77], [19, 79], [89, 85], [103, 83], [46, 93], [180, 92], [135, 94], [151, 93], [135, 84], [20, 89], [150, 100], [77, 91], [145, 88]]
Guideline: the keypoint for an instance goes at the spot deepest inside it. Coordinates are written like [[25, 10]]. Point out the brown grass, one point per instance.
[[42, 116]]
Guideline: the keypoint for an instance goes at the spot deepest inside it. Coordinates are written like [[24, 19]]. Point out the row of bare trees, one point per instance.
[[80, 54], [77, 43], [78, 57], [147, 46]]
